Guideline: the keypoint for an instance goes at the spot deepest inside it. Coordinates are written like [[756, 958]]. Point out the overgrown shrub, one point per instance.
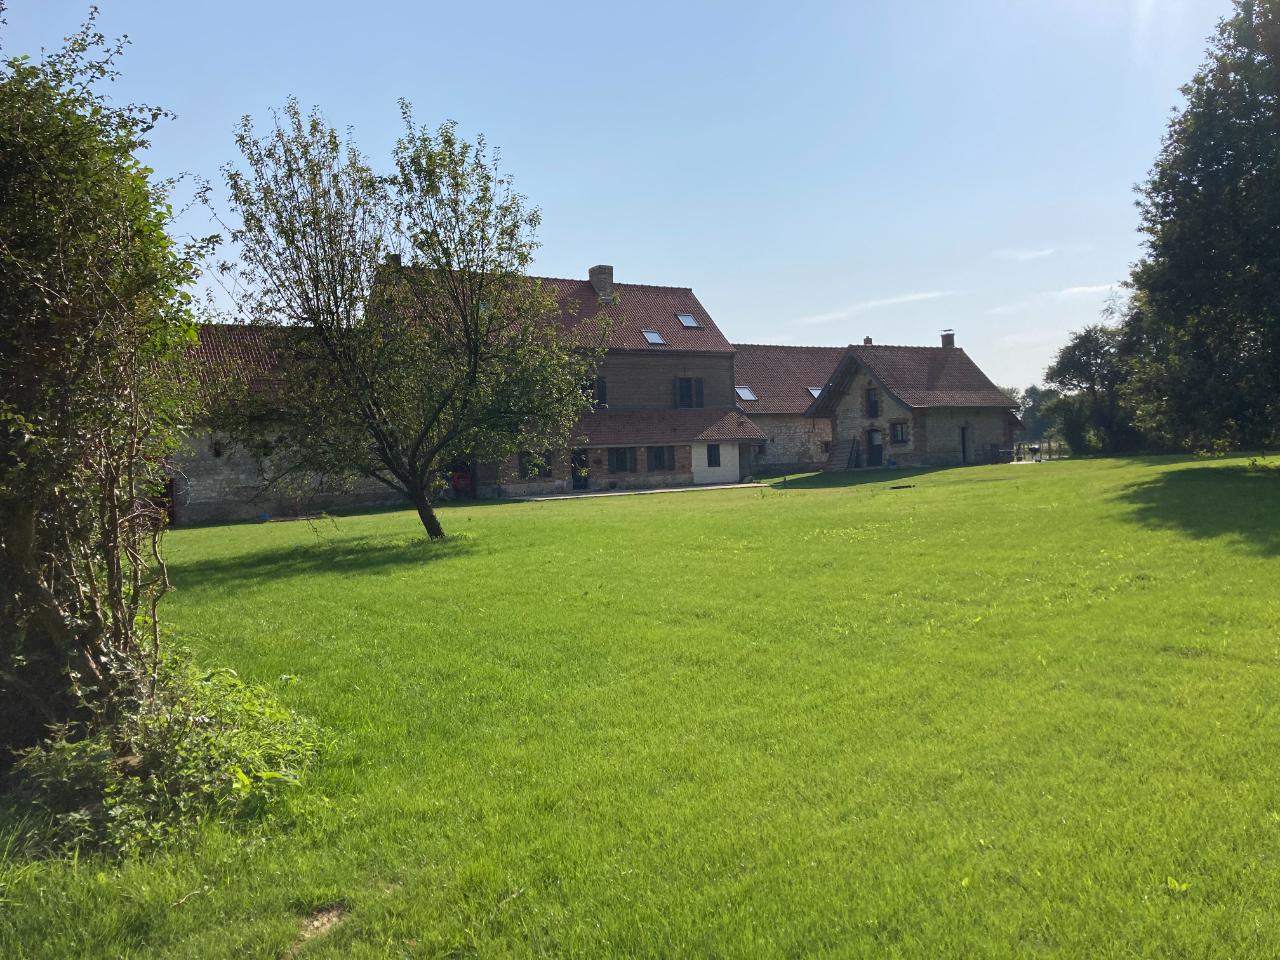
[[207, 745]]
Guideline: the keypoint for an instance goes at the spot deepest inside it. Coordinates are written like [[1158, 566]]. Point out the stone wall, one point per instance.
[[852, 420], [214, 482], [796, 442], [989, 430]]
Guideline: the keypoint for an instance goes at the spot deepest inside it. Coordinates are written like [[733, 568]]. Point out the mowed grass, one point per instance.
[[1026, 710]]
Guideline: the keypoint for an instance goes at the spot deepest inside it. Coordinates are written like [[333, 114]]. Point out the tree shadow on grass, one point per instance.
[[1241, 503], [320, 557]]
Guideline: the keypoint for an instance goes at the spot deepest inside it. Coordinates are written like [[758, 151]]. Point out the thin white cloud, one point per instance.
[[855, 309], [1023, 256], [1086, 291], [1067, 293]]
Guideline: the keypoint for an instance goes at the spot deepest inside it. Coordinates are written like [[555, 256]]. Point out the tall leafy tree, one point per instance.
[[94, 321], [1090, 372], [407, 331], [1203, 324]]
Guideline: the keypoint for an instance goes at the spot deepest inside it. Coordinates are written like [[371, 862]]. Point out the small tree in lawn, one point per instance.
[[386, 371]]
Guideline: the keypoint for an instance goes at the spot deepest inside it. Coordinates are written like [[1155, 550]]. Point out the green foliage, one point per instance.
[[205, 746], [1089, 373], [1203, 325], [1035, 410], [393, 370], [94, 323]]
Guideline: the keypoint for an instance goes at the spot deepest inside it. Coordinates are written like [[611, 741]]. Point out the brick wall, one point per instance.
[[795, 441], [643, 381]]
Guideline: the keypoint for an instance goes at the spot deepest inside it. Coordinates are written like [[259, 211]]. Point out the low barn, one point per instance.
[[913, 406]]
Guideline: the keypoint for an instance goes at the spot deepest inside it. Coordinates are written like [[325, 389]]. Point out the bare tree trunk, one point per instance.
[[428, 517]]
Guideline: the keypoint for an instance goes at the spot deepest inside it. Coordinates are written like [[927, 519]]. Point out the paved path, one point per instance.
[[629, 493]]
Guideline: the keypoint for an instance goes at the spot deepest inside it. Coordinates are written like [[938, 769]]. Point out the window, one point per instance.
[[826, 446], [814, 391], [688, 320], [897, 433], [533, 466], [873, 402], [622, 459], [602, 393], [745, 393], [713, 454], [688, 392], [653, 336], [661, 458]]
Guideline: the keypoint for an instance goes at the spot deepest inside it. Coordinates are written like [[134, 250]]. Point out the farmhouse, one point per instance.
[[665, 414], [675, 404], [912, 406], [665, 411]]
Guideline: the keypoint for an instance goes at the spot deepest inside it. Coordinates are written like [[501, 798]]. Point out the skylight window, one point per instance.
[[688, 320], [745, 393], [653, 336], [814, 391]]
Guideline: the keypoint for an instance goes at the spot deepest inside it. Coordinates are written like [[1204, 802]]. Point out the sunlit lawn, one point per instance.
[[1003, 711]]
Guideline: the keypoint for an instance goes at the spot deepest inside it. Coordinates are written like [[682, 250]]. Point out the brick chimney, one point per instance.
[[948, 338], [602, 279], [866, 341]]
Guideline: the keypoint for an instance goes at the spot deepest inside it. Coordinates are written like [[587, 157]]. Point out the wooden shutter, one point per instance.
[[697, 388], [675, 392]]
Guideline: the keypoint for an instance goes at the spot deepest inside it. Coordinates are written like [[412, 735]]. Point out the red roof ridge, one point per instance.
[[649, 286], [790, 346], [897, 346]]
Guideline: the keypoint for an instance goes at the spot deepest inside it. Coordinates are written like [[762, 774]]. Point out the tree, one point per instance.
[[1203, 325], [1090, 372], [94, 322], [1033, 410], [392, 371]]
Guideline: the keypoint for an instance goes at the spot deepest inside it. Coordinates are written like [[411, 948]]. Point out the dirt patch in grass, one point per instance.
[[317, 924]]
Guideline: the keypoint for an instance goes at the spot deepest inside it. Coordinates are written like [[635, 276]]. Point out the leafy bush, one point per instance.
[[205, 745]]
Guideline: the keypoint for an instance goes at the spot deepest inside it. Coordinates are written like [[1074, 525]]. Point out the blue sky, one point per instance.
[[817, 172]]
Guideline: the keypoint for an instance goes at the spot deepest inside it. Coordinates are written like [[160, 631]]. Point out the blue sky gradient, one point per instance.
[[817, 172]]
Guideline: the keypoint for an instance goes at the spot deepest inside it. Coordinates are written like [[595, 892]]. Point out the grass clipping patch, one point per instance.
[[205, 746]]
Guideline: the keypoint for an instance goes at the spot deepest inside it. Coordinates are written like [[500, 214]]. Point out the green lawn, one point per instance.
[[1027, 710]]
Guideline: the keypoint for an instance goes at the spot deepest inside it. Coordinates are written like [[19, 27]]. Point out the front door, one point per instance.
[[875, 448], [964, 444], [579, 468]]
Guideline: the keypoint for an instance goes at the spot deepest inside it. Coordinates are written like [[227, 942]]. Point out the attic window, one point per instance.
[[688, 320], [653, 336], [745, 393], [815, 391]]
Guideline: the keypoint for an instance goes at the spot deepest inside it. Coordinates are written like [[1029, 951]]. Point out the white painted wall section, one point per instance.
[[727, 472]]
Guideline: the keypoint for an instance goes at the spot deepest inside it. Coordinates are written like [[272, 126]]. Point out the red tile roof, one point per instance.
[[918, 376], [235, 350], [244, 351], [638, 307], [626, 428], [781, 376]]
